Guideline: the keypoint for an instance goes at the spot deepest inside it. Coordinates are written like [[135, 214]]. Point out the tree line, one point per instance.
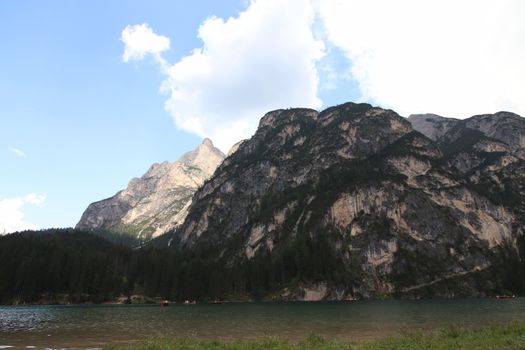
[[68, 265], [73, 266]]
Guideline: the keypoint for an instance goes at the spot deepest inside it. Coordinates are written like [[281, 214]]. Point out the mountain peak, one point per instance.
[[208, 143], [206, 156], [431, 125], [504, 126], [157, 201]]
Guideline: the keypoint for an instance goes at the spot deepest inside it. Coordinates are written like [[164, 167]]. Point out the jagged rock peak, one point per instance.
[[206, 156], [157, 201], [432, 125], [503, 126], [207, 142]]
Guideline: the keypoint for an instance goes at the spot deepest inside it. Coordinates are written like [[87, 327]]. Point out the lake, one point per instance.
[[94, 326]]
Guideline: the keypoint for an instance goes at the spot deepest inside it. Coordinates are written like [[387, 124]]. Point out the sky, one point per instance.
[[92, 93]]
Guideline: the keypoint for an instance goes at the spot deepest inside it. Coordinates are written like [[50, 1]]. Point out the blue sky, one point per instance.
[[85, 121], [78, 121]]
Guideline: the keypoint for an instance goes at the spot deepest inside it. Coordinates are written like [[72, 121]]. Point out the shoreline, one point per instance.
[[143, 300], [250, 323]]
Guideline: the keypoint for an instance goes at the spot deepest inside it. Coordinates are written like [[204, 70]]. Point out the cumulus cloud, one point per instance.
[[12, 216], [455, 58], [139, 40], [261, 60], [17, 151]]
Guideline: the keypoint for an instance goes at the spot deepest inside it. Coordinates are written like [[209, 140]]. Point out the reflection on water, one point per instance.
[[29, 319], [97, 326]]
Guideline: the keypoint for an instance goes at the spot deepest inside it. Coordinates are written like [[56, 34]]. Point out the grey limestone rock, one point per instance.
[[158, 201], [404, 213]]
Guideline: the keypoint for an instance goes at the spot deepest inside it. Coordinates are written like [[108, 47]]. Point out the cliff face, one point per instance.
[[487, 150], [382, 208], [157, 201]]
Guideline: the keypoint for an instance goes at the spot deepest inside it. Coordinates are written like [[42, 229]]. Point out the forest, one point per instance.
[[67, 265], [71, 266]]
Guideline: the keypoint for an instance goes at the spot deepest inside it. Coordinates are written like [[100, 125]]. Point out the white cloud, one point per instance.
[[17, 151], [139, 40], [12, 216], [455, 58], [261, 60]]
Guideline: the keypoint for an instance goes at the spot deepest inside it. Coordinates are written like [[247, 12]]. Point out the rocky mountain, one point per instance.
[[356, 201], [504, 128], [157, 201], [431, 125]]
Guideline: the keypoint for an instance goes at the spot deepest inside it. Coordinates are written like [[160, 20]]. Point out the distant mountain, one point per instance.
[[431, 125], [488, 151], [503, 129], [157, 201], [354, 201]]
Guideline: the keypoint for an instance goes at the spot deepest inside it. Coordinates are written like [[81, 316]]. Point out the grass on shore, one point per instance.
[[496, 337]]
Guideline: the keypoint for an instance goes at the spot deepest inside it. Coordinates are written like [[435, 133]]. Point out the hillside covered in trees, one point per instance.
[[71, 266], [56, 266]]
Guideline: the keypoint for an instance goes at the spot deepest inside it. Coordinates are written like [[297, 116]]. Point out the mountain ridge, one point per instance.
[[157, 201], [347, 203], [396, 212]]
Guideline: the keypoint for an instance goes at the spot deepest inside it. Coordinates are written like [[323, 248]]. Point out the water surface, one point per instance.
[[96, 326]]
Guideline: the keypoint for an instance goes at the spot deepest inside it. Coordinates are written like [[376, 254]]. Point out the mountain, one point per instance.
[[431, 125], [354, 201], [505, 128], [157, 201]]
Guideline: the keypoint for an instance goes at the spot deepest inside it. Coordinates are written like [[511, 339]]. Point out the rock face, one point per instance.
[[157, 201], [382, 208], [431, 125]]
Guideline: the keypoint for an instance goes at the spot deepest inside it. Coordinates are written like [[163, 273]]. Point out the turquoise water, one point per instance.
[[96, 326]]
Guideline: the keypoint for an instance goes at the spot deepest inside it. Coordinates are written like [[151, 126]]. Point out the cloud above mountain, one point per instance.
[[452, 58], [263, 59], [455, 58]]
